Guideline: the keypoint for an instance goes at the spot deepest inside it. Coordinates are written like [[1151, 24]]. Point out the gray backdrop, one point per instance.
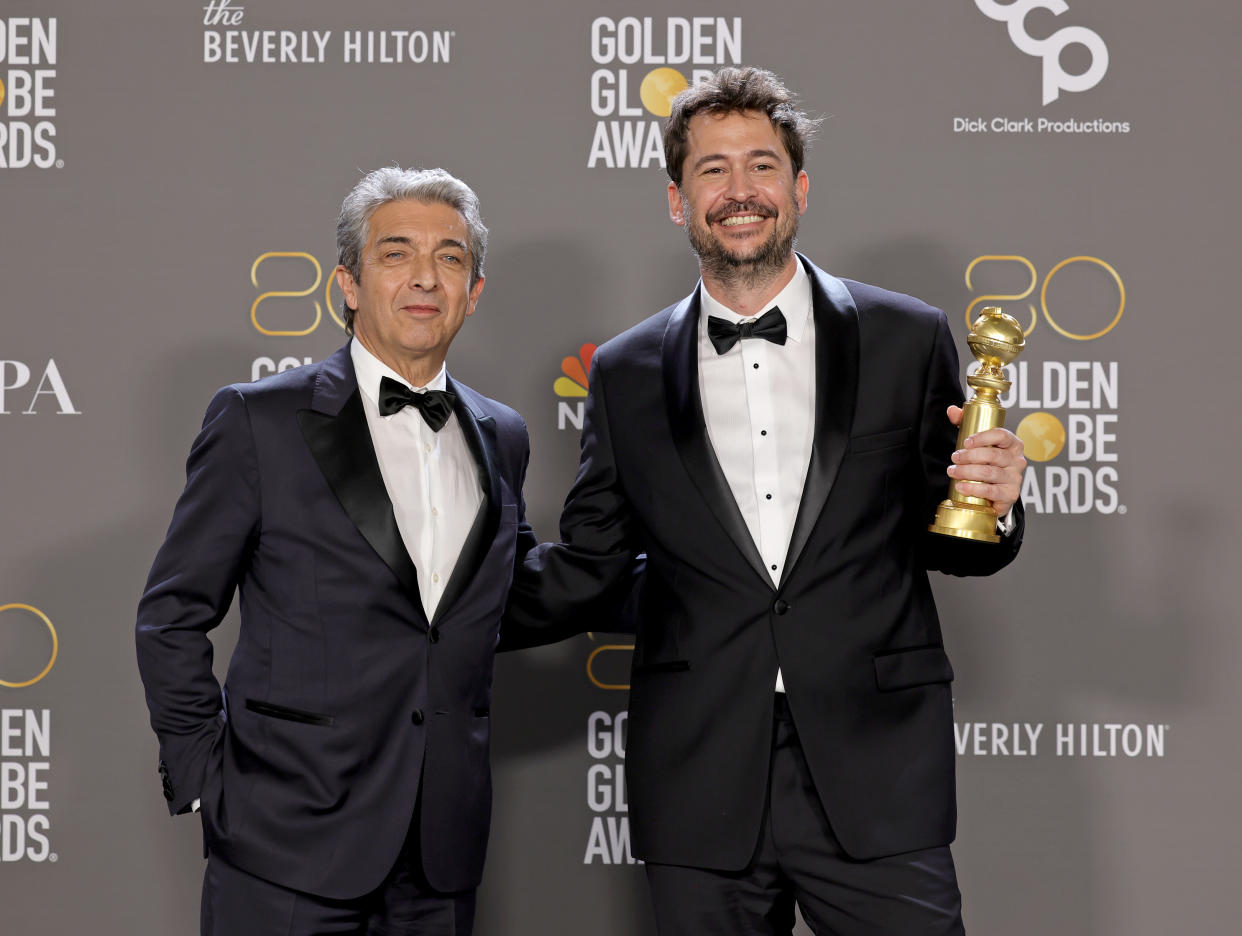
[[144, 175]]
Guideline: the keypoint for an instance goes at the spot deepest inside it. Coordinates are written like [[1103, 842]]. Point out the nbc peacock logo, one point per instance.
[[571, 387]]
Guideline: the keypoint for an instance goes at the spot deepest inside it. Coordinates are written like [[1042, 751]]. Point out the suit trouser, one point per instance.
[[237, 903], [798, 859]]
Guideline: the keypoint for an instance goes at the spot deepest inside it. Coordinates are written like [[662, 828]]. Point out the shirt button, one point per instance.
[[427, 446], [434, 635], [435, 577], [434, 512], [773, 567], [755, 366], [781, 606], [763, 432], [768, 496], [416, 716]]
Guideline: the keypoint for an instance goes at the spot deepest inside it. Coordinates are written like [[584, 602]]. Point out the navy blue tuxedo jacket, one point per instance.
[[852, 624], [342, 699]]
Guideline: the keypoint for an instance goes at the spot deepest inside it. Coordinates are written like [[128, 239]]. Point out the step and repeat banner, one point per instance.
[[170, 174]]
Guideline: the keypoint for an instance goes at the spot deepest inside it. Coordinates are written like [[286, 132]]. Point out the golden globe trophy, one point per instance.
[[995, 340]]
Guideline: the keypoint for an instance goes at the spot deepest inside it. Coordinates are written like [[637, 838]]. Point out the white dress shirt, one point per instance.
[[431, 477], [759, 406]]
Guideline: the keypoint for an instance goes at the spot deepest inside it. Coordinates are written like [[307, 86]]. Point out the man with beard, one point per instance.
[[776, 444]]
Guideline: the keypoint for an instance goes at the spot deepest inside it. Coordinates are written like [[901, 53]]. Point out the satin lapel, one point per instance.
[[335, 430], [680, 362], [480, 432], [836, 391]]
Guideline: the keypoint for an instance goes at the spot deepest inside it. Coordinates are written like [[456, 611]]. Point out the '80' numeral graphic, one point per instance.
[[293, 294], [1060, 329]]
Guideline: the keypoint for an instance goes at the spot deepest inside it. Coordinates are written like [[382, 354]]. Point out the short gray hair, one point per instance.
[[392, 183]]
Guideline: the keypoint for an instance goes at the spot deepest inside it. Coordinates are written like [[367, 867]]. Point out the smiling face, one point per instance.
[[414, 290], [739, 199]]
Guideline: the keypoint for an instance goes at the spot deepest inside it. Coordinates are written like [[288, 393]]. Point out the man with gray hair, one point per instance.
[[369, 511]]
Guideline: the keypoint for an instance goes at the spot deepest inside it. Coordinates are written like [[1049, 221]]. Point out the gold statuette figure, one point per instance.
[[995, 340]]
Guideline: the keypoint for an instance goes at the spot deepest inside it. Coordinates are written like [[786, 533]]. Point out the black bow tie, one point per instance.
[[435, 405], [724, 334]]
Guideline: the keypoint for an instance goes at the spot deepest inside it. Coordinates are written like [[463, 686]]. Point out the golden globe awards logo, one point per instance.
[[25, 746], [629, 95], [28, 650], [608, 841], [28, 92], [1070, 407]]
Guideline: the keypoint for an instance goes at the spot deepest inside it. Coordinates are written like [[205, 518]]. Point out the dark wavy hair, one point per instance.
[[732, 90]]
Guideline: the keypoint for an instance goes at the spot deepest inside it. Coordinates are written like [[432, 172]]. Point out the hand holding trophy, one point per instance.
[[995, 340]]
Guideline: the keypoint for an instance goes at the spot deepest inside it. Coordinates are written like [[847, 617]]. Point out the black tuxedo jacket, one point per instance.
[[341, 697], [852, 624]]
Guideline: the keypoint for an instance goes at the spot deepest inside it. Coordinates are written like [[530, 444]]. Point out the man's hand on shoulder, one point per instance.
[[989, 465]]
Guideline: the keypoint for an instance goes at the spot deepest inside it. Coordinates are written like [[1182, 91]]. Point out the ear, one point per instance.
[[801, 184], [475, 291], [349, 288], [675, 210]]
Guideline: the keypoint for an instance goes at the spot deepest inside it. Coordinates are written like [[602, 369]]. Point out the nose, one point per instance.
[[741, 186], [423, 273]]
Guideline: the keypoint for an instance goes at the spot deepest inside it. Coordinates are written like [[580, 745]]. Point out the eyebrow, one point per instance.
[[445, 242], [711, 157]]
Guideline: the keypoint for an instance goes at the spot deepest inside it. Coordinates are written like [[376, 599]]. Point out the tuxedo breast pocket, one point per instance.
[[875, 443], [913, 667], [875, 467]]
